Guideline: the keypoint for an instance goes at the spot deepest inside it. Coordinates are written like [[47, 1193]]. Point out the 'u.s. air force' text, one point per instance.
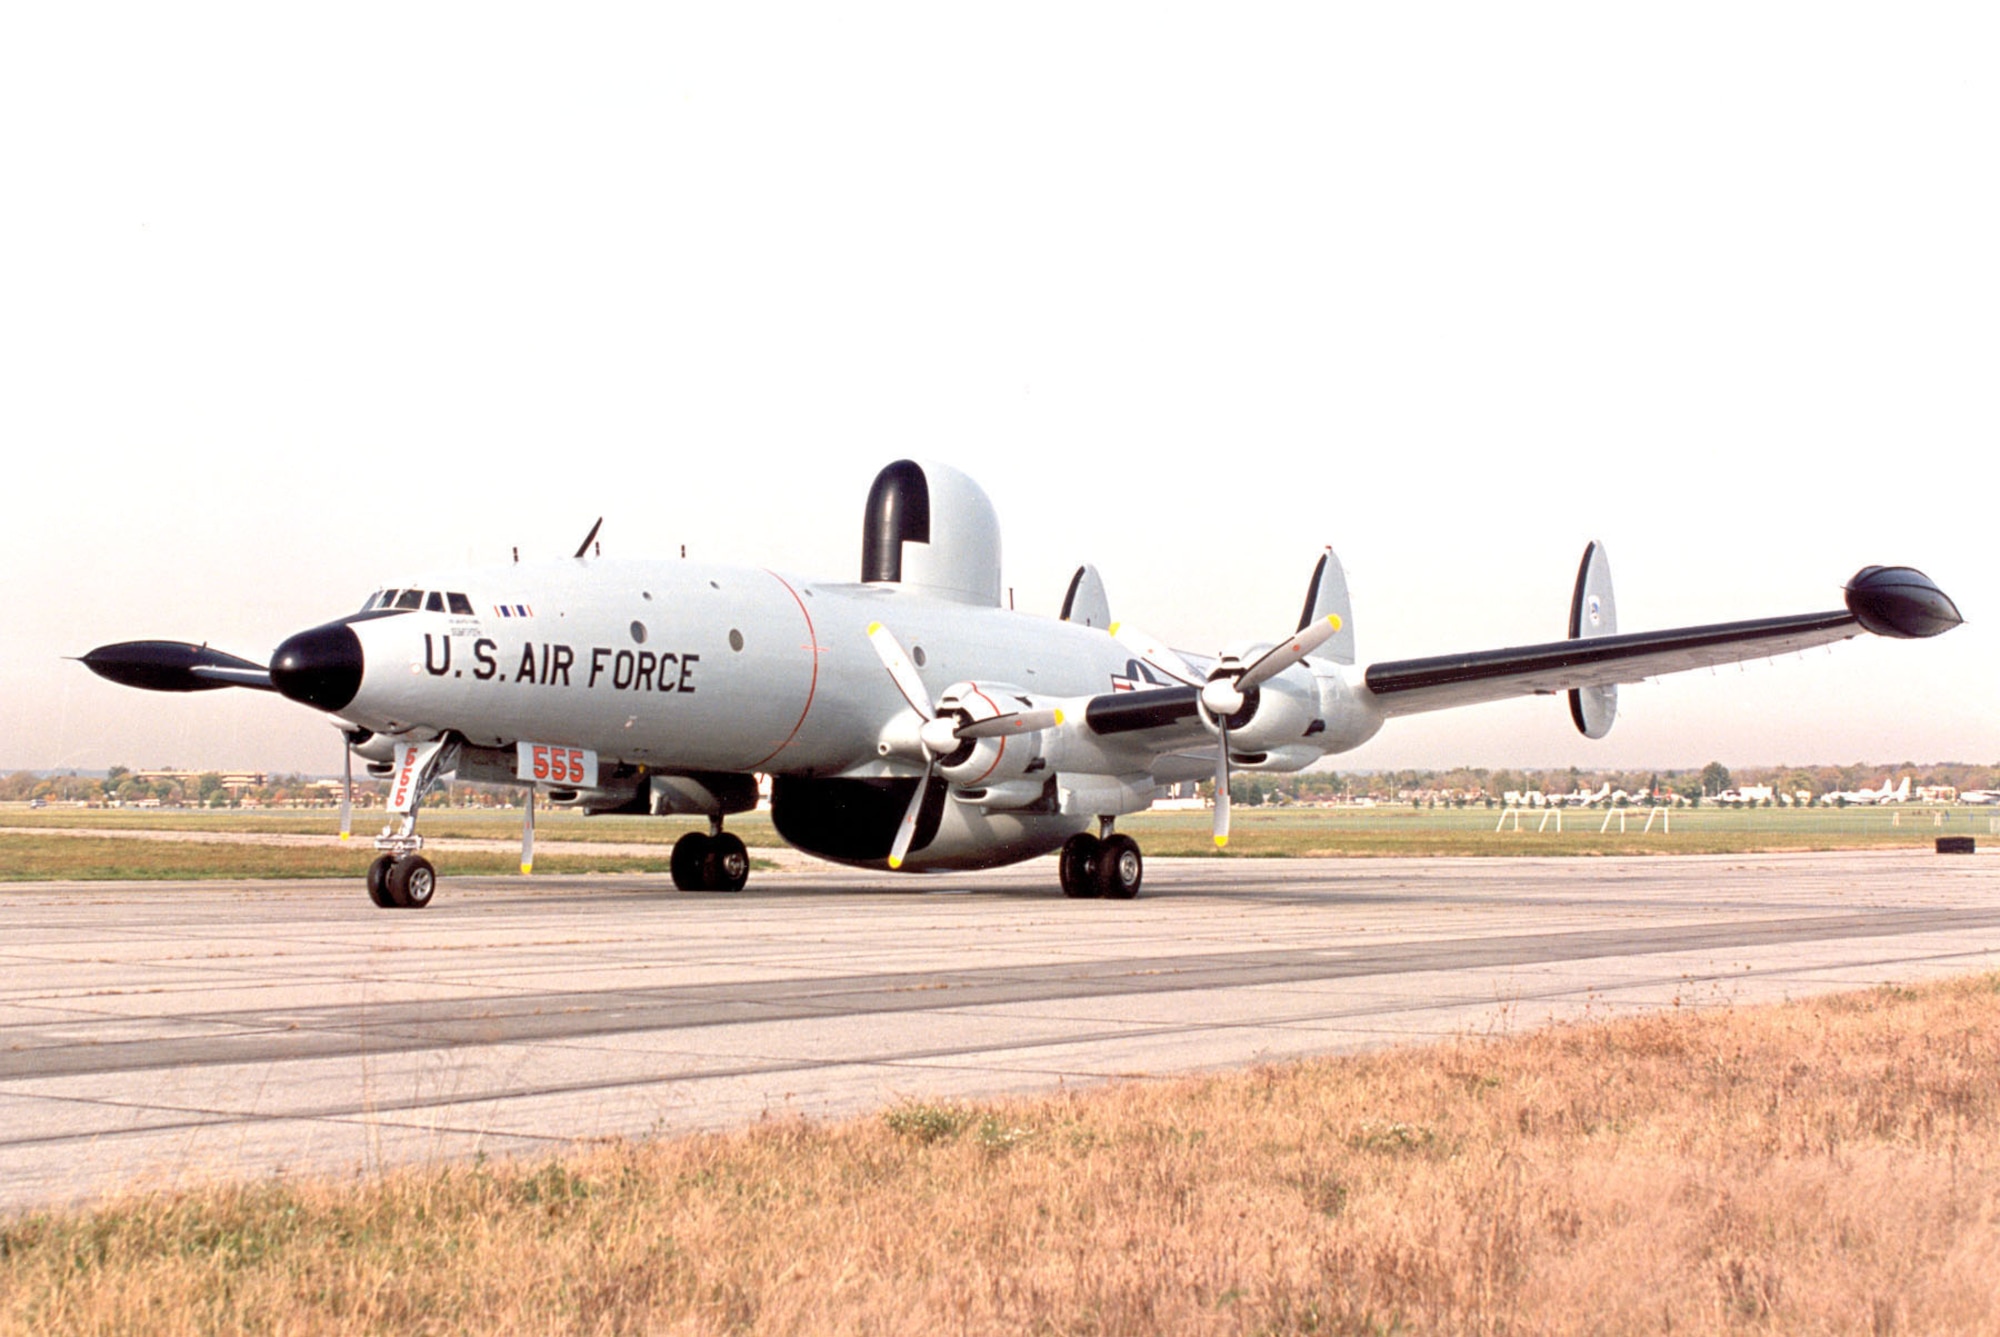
[[549, 665]]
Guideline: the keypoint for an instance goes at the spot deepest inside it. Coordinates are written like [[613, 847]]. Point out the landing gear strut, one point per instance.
[[401, 878], [710, 861], [1110, 867]]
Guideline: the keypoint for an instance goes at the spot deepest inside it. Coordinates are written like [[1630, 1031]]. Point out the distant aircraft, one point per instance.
[[908, 721], [1584, 798], [1865, 797]]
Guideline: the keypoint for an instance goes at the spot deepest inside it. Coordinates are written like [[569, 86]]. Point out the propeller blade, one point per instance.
[[346, 789], [528, 833], [907, 831], [1222, 790], [1287, 653], [1156, 653], [901, 671], [1021, 721]]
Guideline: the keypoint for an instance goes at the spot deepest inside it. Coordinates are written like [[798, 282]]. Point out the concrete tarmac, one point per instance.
[[156, 1035]]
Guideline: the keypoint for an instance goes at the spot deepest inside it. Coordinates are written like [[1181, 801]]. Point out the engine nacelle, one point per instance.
[[985, 762], [1278, 713]]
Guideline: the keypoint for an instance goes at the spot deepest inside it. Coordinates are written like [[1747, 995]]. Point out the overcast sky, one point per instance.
[[296, 300]]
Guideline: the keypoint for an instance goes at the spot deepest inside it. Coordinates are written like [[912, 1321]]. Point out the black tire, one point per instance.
[[727, 864], [689, 857], [1074, 865], [1118, 868], [412, 882], [378, 883]]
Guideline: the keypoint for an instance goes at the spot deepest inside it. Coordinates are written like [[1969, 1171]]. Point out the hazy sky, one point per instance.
[[294, 301]]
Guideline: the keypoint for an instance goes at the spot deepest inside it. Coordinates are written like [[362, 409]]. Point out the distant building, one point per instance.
[[236, 782]]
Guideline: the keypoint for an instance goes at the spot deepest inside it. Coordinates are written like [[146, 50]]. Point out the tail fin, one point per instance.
[[1593, 612], [1327, 595], [1086, 604]]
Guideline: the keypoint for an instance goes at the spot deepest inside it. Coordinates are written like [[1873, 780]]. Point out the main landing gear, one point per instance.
[[710, 861], [1104, 865]]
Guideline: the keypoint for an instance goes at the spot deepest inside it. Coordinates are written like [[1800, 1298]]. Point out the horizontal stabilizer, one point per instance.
[[175, 666]]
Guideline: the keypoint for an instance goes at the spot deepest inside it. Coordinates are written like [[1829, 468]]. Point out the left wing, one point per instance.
[[1896, 601]]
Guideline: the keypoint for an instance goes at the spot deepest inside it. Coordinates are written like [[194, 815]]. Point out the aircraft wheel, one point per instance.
[[689, 858], [378, 883], [1118, 869], [727, 866], [1074, 865], [412, 882]]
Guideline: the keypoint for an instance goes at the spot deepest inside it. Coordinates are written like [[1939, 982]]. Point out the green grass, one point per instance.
[[460, 823], [26, 857], [1433, 832], [35, 853]]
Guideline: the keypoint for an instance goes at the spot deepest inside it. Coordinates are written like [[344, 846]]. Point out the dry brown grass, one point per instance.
[[1830, 1166]]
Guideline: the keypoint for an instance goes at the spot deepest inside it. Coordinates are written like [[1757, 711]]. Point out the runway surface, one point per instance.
[[154, 1034]]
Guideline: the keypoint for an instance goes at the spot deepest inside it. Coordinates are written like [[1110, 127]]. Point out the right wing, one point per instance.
[[1889, 601]]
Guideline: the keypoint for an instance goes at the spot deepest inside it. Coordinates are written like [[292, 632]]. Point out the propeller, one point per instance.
[[1228, 691], [350, 737], [941, 735]]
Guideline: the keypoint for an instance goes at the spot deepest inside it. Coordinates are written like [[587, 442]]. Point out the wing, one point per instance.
[[1889, 601]]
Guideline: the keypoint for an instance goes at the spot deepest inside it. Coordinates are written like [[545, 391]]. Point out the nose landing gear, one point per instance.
[[401, 878]]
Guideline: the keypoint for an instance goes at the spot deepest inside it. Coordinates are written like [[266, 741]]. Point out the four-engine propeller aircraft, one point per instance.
[[907, 720]]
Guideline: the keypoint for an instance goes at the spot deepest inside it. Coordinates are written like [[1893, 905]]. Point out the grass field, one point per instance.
[[1826, 1166], [33, 850]]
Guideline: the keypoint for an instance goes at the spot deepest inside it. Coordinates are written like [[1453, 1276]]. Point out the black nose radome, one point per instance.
[[321, 667]]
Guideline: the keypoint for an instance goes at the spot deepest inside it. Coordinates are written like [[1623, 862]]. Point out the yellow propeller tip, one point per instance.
[[1059, 717], [894, 864], [343, 835], [1220, 841], [1334, 618], [874, 627], [527, 868], [1113, 628]]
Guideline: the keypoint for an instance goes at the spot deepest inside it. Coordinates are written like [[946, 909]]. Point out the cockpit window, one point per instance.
[[460, 604], [435, 603], [372, 601], [410, 599]]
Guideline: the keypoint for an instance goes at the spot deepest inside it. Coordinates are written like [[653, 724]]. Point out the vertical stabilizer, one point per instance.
[[1086, 603], [1593, 612], [1327, 595]]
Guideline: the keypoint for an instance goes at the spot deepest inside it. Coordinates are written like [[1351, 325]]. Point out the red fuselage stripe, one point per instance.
[[812, 644]]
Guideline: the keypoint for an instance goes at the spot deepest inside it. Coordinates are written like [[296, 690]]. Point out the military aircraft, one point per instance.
[[907, 721]]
